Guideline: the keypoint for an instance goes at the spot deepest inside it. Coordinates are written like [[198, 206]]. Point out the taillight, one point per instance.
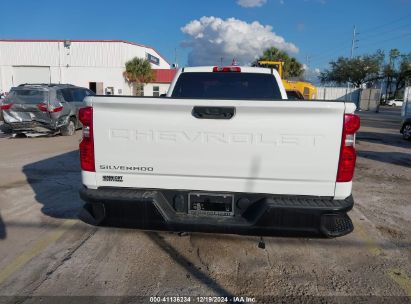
[[58, 109], [87, 143], [351, 123], [6, 106], [234, 69], [43, 107], [348, 154]]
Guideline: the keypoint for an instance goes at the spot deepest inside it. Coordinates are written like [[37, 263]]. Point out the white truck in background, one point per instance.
[[224, 151]]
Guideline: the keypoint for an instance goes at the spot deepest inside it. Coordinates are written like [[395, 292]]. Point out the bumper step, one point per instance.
[[334, 225]]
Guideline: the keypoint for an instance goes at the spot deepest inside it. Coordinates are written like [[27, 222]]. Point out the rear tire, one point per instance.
[[69, 129], [406, 132]]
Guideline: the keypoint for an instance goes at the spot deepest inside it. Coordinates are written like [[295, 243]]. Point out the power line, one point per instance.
[[319, 56], [386, 24], [335, 50], [317, 60], [339, 50], [354, 46], [369, 42], [329, 55], [379, 34], [330, 51], [389, 39]]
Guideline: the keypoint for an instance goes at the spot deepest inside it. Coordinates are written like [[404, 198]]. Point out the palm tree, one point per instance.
[[292, 68], [390, 71], [138, 72]]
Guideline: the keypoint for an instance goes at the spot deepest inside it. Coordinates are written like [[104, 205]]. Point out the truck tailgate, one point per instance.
[[278, 147]]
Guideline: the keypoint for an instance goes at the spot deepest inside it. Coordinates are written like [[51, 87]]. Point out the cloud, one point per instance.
[[212, 38], [251, 3], [311, 74]]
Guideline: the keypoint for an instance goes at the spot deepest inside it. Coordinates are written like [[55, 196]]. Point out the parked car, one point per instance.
[[1, 103], [224, 151], [294, 95], [395, 102], [44, 108], [405, 129]]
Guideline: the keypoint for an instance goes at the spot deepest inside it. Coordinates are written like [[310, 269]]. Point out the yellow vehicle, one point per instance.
[[308, 90]]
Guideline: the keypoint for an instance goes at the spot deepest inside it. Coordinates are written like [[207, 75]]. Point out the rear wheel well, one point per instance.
[[69, 129], [74, 118], [405, 123]]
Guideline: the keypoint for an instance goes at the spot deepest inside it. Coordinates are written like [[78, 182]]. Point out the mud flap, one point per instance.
[[93, 214]]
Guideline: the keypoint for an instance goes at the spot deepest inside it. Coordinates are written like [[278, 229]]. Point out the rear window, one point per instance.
[[75, 94], [220, 85], [27, 96], [67, 94]]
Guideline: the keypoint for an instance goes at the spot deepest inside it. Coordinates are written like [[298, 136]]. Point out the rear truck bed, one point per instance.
[[241, 165], [276, 161]]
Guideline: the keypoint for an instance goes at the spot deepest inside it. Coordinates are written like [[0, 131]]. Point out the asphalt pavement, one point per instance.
[[47, 251]]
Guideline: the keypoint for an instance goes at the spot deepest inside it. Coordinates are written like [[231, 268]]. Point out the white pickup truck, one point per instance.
[[224, 151]]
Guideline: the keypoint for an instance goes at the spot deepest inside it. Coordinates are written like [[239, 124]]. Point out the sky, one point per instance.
[[200, 32]]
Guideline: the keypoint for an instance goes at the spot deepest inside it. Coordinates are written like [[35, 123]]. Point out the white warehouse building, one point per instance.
[[94, 64]]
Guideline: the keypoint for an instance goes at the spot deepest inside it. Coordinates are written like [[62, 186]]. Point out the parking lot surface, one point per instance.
[[46, 251]]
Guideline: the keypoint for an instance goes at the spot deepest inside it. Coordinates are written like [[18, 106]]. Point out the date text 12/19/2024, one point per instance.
[[202, 299]]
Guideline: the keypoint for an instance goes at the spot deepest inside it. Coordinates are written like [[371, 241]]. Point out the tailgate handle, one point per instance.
[[213, 112]]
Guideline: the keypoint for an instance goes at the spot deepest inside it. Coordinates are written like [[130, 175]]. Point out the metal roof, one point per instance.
[[85, 40]]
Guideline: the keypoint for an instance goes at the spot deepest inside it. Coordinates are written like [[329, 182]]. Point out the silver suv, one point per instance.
[[44, 108]]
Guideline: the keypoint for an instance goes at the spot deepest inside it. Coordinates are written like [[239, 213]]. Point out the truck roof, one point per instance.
[[244, 69]]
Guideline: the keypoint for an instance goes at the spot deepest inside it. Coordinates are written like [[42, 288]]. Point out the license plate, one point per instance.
[[211, 204]]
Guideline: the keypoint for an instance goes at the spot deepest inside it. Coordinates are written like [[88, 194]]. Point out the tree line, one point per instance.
[[394, 68]]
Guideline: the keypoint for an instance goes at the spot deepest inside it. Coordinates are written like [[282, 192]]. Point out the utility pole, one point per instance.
[[175, 57], [353, 46], [307, 60], [354, 41], [307, 63]]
